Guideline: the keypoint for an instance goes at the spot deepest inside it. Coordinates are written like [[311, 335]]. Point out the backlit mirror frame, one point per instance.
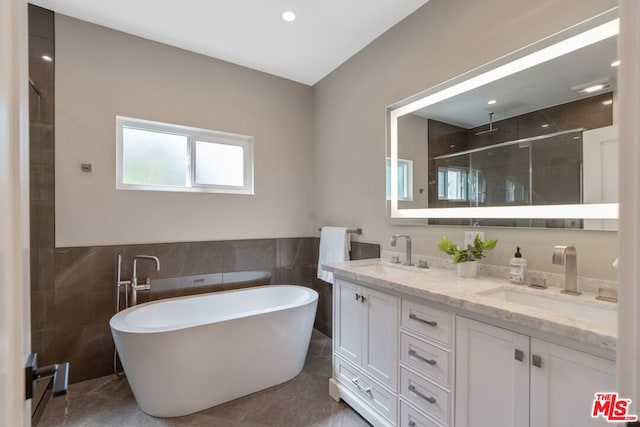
[[581, 35]]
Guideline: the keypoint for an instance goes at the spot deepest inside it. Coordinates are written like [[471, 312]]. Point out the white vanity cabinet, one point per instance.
[[365, 365], [504, 378], [366, 330], [492, 376], [426, 364], [404, 360], [564, 385]]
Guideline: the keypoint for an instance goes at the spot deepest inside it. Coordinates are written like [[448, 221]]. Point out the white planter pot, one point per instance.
[[467, 269]]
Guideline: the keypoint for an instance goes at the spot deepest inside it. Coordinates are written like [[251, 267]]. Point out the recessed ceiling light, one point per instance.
[[546, 125], [288, 16], [592, 87], [47, 58], [492, 101], [607, 102], [615, 63]]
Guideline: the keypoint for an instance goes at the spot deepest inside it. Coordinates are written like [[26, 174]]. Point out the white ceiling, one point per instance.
[[251, 32], [545, 85]]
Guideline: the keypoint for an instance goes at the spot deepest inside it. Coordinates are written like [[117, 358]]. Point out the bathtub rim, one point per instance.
[[117, 322]]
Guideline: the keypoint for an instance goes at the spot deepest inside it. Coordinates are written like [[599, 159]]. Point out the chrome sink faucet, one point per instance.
[[394, 239], [567, 256], [134, 279]]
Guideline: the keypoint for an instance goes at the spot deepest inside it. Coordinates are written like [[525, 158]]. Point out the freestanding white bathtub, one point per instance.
[[183, 355]]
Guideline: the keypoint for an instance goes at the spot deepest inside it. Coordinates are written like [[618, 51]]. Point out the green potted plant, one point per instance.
[[466, 259]]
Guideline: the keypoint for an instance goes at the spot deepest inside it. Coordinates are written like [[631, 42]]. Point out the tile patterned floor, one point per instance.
[[303, 401]]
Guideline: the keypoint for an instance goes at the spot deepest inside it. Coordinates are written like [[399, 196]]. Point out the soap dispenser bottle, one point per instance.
[[517, 267]]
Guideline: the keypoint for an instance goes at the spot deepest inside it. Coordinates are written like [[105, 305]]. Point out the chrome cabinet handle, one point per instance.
[[357, 297], [412, 424], [357, 383], [429, 399], [431, 362], [362, 298], [519, 355], [428, 322], [536, 361]]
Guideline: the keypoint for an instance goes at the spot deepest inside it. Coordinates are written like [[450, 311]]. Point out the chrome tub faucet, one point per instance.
[[134, 279]]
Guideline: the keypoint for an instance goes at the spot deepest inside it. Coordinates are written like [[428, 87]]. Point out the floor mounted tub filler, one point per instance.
[[183, 355]]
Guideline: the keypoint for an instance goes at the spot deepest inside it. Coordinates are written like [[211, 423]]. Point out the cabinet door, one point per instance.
[[492, 383], [564, 385], [348, 321], [380, 346]]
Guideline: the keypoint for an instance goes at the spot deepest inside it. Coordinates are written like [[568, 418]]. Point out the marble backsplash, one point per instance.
[[71, 312], [550, 279]]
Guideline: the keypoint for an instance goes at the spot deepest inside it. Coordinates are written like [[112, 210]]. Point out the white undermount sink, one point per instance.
[[388, 269], [560, 304]]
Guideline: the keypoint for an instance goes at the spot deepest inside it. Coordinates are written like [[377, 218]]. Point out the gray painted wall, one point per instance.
[[101, 73]]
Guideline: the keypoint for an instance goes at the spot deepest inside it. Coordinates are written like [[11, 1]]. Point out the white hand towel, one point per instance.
[[335, 245]]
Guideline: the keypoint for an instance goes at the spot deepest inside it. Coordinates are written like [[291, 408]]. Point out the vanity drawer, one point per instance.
[[427, 359], [410, 417], [428, 321], [366, 389], [425, 395]]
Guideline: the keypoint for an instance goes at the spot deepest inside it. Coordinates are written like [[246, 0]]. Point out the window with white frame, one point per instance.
[[166, 157], [405, 179], [515, 191], [452, 183], [477, 187]]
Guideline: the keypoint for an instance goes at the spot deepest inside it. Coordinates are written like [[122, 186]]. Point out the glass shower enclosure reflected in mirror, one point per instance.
[[544, 170]]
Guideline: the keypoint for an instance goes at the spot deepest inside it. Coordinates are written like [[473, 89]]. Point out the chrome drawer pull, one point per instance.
[[431, 362], [536, 361], [413, 390], [519, 355], [357, 383], [428, 322]]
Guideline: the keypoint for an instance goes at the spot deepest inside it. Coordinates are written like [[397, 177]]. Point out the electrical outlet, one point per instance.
[[470, 236]]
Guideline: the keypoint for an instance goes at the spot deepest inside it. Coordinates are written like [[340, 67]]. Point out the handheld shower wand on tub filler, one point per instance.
[[131, 288]]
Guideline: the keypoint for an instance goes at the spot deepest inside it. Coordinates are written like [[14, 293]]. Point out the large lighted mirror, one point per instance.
[[528, 140]]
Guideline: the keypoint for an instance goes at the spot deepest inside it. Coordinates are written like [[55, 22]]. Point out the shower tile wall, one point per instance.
[[41, 167]]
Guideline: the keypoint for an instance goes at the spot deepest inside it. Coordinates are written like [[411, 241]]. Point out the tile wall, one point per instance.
[[41, 164], [72, 320]]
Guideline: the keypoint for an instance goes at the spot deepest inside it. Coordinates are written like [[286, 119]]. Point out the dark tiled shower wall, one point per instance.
[[71, 318], [41, 147], [41, 168]]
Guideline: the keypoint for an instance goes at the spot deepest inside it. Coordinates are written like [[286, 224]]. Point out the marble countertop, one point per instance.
[[595, 325]]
